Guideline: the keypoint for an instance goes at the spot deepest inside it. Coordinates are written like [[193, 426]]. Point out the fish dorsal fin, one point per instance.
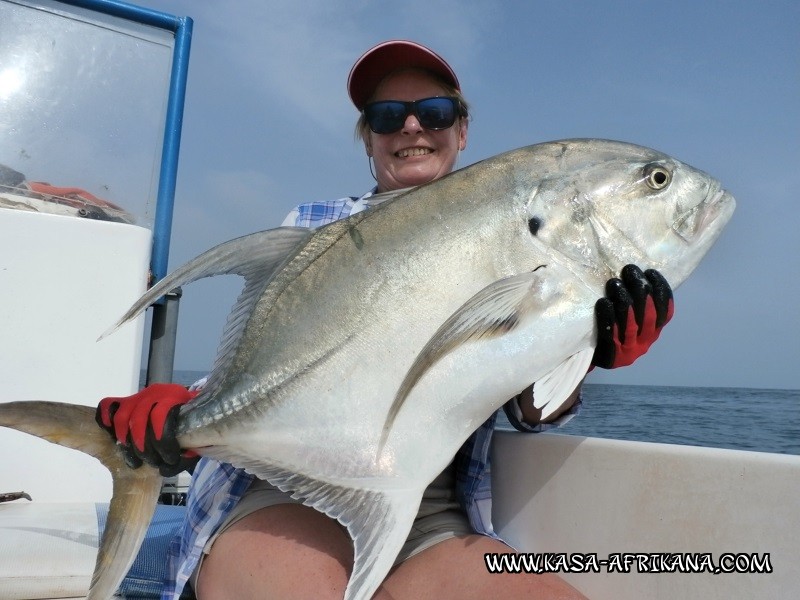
[[255, 257], [377, 199], [494, 311], [271, 251], [378, 521], [552, 391]]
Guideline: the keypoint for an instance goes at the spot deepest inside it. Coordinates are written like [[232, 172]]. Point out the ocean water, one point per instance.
[[739, 418]]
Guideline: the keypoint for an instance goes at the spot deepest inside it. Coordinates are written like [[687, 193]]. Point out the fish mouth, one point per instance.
[[700, 218]]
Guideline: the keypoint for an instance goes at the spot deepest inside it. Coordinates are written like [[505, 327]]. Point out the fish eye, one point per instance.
[[657, 177]]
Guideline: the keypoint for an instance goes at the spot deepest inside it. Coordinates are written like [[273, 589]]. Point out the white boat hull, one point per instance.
[[570, 494], [48, 549]]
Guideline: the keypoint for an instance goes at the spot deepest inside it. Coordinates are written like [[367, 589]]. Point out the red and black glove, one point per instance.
[[145, 424], [631, 316]]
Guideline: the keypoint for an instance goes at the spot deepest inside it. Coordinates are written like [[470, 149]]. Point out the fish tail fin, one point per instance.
[[135, 491]]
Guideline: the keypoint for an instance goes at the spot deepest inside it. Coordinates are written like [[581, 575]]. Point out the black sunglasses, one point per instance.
[[388, 116]]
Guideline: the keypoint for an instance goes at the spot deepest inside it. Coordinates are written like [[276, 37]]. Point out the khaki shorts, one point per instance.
[[439, 518]]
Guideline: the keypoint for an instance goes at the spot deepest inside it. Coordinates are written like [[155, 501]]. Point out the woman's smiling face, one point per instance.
[[413, 155]]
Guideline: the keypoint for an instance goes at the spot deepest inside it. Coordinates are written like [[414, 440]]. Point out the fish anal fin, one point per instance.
[[379, 524], [378, 518], [494, 311]]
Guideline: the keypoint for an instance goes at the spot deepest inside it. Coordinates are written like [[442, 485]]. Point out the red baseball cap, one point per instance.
[[377, 62]]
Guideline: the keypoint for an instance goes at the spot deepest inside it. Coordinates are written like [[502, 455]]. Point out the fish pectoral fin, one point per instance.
[[378, 520], [551, 392], [135, 490], [494, 311], [255, 257]]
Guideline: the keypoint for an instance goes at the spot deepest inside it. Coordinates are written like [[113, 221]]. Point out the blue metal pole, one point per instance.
[[130, 12], [162, 228]]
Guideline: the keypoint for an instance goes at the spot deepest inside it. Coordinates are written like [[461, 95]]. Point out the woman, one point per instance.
[[246, 539]]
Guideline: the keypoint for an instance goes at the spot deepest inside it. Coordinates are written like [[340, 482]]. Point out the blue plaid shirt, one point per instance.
[[217, 487]]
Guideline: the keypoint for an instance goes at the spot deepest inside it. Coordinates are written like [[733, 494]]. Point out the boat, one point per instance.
[[617, 519]]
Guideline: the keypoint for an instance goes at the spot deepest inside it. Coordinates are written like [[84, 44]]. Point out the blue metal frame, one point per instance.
[[181, 27]]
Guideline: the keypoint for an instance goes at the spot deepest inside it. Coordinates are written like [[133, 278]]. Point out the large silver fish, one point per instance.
[[362, 354]]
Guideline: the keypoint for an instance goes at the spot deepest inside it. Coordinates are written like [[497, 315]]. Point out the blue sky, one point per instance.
[[716, 84]]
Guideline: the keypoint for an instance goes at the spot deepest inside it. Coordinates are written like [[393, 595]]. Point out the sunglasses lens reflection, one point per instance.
[[389, 116]]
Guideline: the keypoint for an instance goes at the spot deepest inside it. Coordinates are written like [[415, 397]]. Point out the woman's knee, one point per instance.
[[456, 568], [283, 551]]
